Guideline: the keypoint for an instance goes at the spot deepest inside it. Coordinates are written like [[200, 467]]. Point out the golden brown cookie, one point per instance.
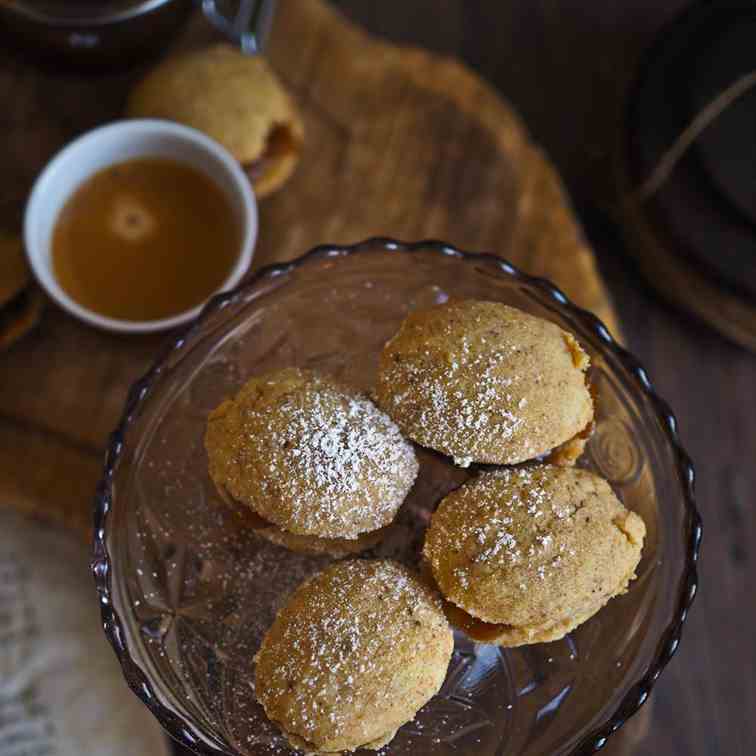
[[484, 382], [234, 98], [20, 316], [15, 275], [354, 654], [309, 455], [527, 554]]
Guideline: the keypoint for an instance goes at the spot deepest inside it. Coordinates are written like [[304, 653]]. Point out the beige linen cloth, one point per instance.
[[61, 689]]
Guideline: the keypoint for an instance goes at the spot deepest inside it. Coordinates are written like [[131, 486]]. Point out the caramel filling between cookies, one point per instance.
[[279, 143], [253, 520], [477, 629], [567, 453], [579, 358]]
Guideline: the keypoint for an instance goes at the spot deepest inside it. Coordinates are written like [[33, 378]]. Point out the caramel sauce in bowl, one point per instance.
[[133, 226], [165, 229]]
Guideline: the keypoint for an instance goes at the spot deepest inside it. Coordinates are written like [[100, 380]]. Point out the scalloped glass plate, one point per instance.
[[186, 595]]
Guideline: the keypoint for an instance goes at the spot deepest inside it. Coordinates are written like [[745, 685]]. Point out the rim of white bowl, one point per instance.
[[41, 264]]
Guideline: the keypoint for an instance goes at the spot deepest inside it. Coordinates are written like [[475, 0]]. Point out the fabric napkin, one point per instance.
[[61, 689]]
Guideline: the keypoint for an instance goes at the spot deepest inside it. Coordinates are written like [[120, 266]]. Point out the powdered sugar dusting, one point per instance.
[[465, 392], [508, 524], [445, 412], [339, 446], [332, 651]]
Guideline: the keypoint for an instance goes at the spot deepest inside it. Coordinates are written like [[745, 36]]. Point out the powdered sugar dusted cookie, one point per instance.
[[309, 456], [236, 99], [484, 382], [526, 555], [355, 653]]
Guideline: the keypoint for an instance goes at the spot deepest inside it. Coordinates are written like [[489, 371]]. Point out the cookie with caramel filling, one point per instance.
[[525, 555], [311, 458], [485, 382], [234, 98]]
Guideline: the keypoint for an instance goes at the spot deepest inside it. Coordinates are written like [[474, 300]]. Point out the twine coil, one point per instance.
[[700, 122]]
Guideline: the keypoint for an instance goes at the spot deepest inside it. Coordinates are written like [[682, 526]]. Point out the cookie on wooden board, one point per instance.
[[15, 275], [21, 302], [234, 98]]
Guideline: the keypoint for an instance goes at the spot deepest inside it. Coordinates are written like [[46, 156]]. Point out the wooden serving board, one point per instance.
[[399, 142]]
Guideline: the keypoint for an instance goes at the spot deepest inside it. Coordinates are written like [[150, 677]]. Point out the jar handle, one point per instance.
[[246, 22]]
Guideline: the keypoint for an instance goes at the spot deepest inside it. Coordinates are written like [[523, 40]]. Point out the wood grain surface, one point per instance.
[[564, 64], [399, 142]]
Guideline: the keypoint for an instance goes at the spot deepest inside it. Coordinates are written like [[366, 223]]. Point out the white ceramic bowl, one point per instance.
[[116, 143]]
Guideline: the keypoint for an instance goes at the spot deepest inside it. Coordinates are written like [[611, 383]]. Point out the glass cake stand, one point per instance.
[[186, 595]]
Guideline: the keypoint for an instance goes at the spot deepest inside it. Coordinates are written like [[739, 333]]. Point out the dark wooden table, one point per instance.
[[565, 65]]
